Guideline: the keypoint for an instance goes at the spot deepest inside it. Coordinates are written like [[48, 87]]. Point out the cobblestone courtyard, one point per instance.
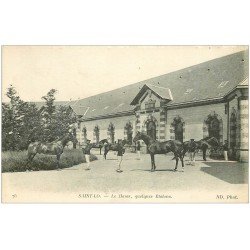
[[211, 181]]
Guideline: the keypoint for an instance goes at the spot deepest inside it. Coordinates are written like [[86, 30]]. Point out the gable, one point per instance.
[[149, 97]]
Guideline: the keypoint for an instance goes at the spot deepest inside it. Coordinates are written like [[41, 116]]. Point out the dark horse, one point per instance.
[[50, 148], [100, 145], [203, 144], [156, 147], [113, 147]]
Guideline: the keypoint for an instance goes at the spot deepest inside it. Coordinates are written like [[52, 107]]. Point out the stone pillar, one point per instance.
[[162, 125], [242, 149]]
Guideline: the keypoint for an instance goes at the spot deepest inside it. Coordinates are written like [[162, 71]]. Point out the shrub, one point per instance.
[[15, 161]]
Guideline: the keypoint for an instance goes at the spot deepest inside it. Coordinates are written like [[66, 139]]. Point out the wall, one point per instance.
[[194, 118], [119, 123]]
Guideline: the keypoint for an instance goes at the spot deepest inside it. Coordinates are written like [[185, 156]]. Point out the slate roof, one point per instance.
[[208, 80]]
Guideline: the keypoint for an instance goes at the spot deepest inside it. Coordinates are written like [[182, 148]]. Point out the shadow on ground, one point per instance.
[[157, 170], [231, 172]]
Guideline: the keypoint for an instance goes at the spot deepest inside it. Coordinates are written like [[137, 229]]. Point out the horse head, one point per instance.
[[137, 136], [212, 142]]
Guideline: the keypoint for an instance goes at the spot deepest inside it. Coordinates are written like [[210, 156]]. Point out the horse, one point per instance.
[[100, 145], [50, 148], [156, 147], [113, 147], [203, 144]]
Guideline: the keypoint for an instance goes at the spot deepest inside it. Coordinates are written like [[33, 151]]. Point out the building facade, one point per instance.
[[209, 99]]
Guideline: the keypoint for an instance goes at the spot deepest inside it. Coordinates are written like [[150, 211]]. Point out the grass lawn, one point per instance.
[[15, 161]]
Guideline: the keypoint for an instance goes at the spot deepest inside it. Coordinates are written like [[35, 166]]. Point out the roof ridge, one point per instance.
[[160, 87], [171, 72]]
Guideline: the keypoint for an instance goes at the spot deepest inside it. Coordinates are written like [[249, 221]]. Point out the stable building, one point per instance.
[[208, 99]]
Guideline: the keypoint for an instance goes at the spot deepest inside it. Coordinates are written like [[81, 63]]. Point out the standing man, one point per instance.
[[138, 150], [120, 152], [105, 147], [86, 152], [191, 150], [225, 150]]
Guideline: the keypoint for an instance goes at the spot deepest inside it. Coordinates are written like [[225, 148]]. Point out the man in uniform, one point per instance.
[[105, 147], [120, 152], [225, 150], [86, 151], [191, 150], [138, 150]]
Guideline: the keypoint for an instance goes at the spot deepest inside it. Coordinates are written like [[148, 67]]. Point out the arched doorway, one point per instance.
[[178, 128], [96, 134], [128, 132], [213, 127], [84, 131], [151, 129], [111, 132]]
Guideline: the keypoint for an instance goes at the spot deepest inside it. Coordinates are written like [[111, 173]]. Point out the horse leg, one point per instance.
[[58, 161], [152, 162], [176, 165], [100, 150], [182, 163], [204, 151], [30, 158]]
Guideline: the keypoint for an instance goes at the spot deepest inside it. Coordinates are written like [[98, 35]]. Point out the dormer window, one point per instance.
[[150, 104]]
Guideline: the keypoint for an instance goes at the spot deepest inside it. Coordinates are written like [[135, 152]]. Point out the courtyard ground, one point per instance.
[[211, 181]]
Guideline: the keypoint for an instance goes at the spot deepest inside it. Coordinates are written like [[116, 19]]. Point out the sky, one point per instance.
[[77, 72]]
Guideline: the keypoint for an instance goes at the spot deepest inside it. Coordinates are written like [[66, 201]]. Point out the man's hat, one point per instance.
[[191, 139]]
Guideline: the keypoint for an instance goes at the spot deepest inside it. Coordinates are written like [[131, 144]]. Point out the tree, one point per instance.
[[23, 123], [55, 120], [48, 115], [19, 122]]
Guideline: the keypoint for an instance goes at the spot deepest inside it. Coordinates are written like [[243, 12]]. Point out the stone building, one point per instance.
[[208, 99]]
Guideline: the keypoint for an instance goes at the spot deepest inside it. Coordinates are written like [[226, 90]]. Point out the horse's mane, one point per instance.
[[149, 137]]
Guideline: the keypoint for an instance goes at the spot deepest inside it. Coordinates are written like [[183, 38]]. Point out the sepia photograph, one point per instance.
[[125, 124]]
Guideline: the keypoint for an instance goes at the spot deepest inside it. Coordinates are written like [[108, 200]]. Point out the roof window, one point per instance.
[[223, 84], [188, 91]]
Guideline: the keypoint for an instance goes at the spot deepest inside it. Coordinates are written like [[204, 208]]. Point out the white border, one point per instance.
[[124, 226]]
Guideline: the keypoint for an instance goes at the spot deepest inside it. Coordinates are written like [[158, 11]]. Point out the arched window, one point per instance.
[[96, 134], [213, 127], [128, 132], [233, 127], [178, 128], [111, 132], [151, 129]]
